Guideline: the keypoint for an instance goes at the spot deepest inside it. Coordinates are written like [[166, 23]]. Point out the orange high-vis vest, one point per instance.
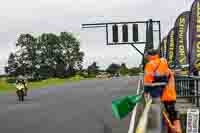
[[160, 66], [169, 92]]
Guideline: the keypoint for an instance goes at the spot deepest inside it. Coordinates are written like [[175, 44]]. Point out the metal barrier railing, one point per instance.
[[188, 87], [135, 112], [143, 121]]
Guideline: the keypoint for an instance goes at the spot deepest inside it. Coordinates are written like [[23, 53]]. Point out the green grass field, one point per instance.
[[9, 87], [6, 87]]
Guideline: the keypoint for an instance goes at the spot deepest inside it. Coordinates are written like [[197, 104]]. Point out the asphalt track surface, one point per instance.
[[83, 107]]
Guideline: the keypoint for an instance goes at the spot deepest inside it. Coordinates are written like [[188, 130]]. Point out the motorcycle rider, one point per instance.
[[22, 81]]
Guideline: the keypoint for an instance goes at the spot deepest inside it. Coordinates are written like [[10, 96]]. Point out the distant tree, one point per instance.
[[26, 54], [123, 69], [134, 71], [79, 65], [113, 68], [49, 53], [93, 69], [12, 66], [73, 57]]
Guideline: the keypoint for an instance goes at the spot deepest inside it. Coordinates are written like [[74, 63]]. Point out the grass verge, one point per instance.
[[9, 87]]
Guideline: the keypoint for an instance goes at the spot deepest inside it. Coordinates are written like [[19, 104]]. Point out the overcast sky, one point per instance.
[[37, 16]]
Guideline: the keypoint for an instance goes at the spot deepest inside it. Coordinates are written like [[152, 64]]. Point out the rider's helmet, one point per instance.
[[17, 81], [20, 79]]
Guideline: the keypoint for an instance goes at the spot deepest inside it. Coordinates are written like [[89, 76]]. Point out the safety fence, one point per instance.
[[188, 87]]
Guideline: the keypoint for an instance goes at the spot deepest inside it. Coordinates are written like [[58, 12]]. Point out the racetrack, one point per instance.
[[83, 107]]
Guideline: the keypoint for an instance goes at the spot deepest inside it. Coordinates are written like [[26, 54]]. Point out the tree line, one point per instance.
[[51, 55], [113, 69], [48, 55]]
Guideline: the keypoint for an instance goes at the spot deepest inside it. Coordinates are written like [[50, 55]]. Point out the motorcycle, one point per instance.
[[20, 92]]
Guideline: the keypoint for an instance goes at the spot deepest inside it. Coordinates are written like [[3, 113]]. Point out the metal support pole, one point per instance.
[[151, 36], [147, 38], [137, 49], [159, 35], [94, 26], [107, 34], [135, 22]]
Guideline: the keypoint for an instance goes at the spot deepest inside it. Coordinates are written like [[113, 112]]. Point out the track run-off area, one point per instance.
[[81, 107]]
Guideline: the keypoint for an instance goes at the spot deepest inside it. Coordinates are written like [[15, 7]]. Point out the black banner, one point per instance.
[[163, 47], [194, 35], [181, 51], [171, 48]]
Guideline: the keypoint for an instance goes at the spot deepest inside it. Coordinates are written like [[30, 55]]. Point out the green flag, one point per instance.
[[122, 106]]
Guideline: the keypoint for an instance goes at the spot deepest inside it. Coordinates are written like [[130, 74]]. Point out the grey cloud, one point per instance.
[[37, 16]]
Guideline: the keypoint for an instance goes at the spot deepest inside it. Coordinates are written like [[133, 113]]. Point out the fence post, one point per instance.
[[197, 92], [188, 87], [183, 87], [192, 89]]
